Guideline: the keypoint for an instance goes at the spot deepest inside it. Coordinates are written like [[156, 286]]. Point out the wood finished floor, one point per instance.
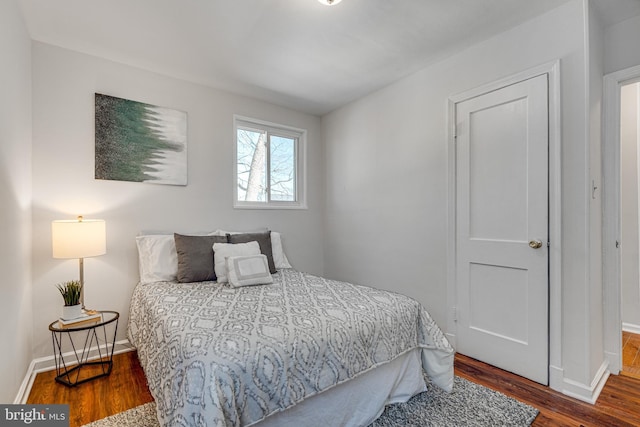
[[618, 405], [631, 354], [124, 389]]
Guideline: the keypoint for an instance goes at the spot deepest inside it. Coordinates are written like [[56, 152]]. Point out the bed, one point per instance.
[[300, 350]]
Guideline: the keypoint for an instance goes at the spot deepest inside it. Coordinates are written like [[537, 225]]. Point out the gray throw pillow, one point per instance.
[[263, 239], [195, 257]]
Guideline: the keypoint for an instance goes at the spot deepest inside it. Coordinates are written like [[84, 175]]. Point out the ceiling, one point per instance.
[[296, 53]]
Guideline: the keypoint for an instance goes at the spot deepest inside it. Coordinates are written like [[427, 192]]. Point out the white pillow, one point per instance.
[[248, 270], [279, 258], [223, 250], [157, 257]]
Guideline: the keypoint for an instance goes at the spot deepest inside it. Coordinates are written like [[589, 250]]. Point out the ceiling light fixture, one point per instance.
[[329, 2]]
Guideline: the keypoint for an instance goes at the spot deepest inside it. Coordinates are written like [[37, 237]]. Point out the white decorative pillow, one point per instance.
[[248, 270], [223, 250], [157, 257], [279, 258]]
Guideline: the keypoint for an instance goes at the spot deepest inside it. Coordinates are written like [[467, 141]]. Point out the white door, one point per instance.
[[502, 228]]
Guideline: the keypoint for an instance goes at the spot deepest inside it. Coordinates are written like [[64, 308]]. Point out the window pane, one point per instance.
[[252, 161], [283, 168]]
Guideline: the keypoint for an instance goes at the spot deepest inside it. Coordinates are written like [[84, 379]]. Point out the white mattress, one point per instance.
[[359, 401]]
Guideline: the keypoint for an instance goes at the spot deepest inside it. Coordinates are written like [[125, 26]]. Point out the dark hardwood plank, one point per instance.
[[617, 405], [124, 389]]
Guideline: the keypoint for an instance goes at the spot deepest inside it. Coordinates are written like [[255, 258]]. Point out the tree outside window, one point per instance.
[[267, 165]]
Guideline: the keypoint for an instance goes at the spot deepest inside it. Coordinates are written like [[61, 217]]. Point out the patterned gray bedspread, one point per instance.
[[220, 356]]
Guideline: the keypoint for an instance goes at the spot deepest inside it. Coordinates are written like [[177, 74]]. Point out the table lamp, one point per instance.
[[81, 238]]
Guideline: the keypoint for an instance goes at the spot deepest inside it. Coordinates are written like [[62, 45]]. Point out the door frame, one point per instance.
[[552, 70], [612, 295]]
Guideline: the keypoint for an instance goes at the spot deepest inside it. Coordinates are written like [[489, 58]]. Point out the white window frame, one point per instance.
[[300, 135]]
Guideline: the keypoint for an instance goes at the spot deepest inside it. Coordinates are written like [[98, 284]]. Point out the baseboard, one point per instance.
[[588, 393], [630, 327], [614, 362], [47, 363], [27, 383], [556, 378]]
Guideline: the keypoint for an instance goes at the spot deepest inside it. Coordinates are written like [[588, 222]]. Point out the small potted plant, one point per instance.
[[70, 292]]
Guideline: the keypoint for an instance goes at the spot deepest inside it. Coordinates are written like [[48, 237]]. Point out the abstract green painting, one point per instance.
[[140, 142]]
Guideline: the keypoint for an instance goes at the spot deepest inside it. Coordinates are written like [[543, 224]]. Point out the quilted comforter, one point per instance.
[[221, 356]]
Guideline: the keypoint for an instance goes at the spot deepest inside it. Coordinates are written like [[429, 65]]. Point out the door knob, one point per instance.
[[535, 244]]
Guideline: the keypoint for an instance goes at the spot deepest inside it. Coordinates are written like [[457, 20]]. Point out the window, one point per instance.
[[269, 165]]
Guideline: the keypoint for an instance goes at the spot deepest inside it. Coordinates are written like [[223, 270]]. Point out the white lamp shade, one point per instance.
[[78, 238]]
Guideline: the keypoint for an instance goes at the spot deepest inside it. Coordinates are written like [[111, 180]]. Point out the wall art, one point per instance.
[[139, 142]]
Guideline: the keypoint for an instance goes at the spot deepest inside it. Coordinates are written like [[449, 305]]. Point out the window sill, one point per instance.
[[264, 206]]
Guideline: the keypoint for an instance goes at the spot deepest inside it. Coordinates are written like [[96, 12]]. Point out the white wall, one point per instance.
[[64, 83], [621, 45], [594, 89], [15, 200], [386, 179], [620, 53], [629, 249]]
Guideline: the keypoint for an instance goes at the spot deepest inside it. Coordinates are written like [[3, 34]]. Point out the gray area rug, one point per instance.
[[469, 404]]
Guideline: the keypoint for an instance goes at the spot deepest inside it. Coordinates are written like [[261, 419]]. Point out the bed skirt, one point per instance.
[[359, 401]]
